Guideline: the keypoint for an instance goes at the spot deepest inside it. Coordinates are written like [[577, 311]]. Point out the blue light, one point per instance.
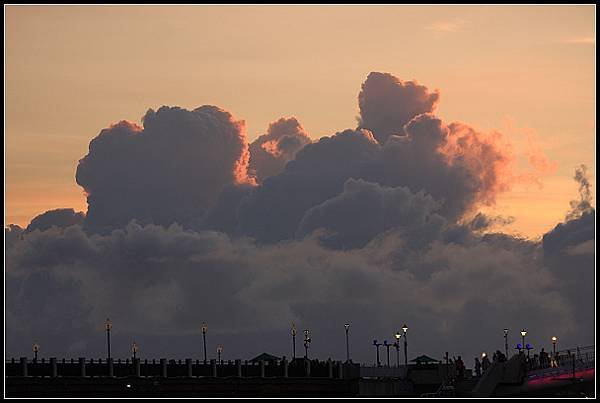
[[519, 346]]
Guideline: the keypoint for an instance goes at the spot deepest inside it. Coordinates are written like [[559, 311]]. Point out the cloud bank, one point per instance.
[[188, 223]]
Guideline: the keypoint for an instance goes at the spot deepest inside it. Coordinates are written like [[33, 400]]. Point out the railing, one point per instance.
[[83, 367], [567, 361]]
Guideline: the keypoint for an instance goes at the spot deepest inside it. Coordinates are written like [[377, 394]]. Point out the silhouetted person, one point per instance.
[[477, 367], [500, 357], [485, 363], [460, 368]]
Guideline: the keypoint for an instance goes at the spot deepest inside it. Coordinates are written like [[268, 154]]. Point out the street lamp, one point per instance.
[[554, 340], [204, 330], [523, 333], [307, 341], [387, 346], [405, 329], [108, 325], [36, 348], [377, 347], [219, 351], [506, 342], [347, 327], [134, 350], [397, 344], [294, 332]]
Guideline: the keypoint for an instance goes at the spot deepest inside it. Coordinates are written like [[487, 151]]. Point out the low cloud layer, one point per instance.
[[375, 226]]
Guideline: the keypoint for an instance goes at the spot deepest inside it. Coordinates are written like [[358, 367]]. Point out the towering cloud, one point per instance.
[[170, 170], [362, 226], [387, 104], [270, 152]]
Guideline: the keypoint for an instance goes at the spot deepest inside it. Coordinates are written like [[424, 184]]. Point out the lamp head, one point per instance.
[[134, 347], [404, 328], [554, 339], [219, 349], [398, 335], [523, 332], [36, 347], [505, 331], [204, 328], [347, 326], [294, 332], [108, 324], [483, 355]]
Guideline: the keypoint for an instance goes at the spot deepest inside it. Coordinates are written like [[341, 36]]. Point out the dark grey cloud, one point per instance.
[[171, 170], [364, 209], [387, 103], [270, 152], [158, 284], [61, 218], [344, 229]]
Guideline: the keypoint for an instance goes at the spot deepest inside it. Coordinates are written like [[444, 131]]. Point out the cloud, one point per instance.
[[387, 104], [364, 209], [584, 204], [455, 25], [158, 284], [270, 152], [59, 217], [170, 170], [369, 226]]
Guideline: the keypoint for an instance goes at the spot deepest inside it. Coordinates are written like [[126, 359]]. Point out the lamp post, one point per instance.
[[306, 342], [108, 325], [377, 347], [347, 327], [506, 342], [554, 340], [204, 330], [134, 350], [294, 332], [36, 348], [219, 351], [387, 346], [523, 333], [405, 329], [397, 344]]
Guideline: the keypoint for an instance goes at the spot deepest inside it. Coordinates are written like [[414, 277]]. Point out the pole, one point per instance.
[[397, 354], [108, 340], [377, 345], [405, 348], [204, 339], [506, 345], [294, 346], [523, 341], [347, 347], [388, 354]]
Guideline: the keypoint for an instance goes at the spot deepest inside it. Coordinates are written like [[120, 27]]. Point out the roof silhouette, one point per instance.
[[264, 357], [424, 359]]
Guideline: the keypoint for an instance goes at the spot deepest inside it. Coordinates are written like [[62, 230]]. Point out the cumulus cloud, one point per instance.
[[59, 217], [387, 103], [367, 226], [364, 209], [270, 152], [170, 170]]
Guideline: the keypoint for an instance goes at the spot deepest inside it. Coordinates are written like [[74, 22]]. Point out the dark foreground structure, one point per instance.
[[574, 377]]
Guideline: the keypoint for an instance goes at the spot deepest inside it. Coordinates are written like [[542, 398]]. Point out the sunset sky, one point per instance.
[[257, 166], [526, 71]]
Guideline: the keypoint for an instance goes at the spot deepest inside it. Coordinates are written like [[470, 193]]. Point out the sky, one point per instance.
[[528, 71], [257, 166]]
